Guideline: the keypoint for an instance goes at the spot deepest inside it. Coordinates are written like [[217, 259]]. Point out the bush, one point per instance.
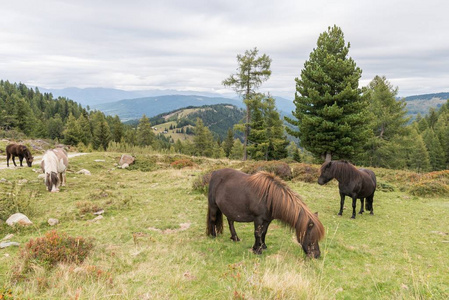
[[279, 168], [306, 172], [201, 183], [55, 248], [182, 163], [429, 188]]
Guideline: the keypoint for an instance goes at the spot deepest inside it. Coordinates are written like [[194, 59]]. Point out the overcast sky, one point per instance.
[[192, 44]]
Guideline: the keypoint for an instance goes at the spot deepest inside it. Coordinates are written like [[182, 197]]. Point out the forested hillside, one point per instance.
[[218, 118]]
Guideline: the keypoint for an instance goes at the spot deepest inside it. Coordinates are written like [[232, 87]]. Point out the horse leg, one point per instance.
[[354, 204], [362, 200], [370, 199], [258, 231], [8, 156], [264, 246], [62, 178], [342, 203], [14, 160], [21, 159], [234, 236]]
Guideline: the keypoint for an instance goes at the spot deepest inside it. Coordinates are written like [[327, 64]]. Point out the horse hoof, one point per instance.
[[258, 251], [353, 217], [235, 239], [264, 246]]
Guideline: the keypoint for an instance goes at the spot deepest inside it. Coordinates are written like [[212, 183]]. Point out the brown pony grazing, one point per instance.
[[352, 182], [13, 150], [260, 198], [54, 164]]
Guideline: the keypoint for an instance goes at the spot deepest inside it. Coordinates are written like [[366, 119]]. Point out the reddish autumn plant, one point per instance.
[[182, 163], [56, 248]]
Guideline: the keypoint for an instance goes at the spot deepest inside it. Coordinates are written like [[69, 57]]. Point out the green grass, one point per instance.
[[399, 253]]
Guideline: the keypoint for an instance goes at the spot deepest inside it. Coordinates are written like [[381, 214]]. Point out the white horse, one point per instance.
[[54, 165]]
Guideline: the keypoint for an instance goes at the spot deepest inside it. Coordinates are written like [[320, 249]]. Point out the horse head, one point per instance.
[[310, 237], [51, 181], [326, 173], [27, 154]]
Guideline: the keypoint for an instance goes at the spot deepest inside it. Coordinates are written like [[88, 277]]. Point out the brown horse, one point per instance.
[[54, 164], [260, 198], [352, 182], [13, 150]]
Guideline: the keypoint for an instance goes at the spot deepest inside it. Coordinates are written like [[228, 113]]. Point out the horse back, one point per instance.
[[370, 179], [230, 191], [62, 157]]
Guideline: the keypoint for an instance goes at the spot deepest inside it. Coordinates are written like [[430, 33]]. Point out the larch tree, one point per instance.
[[330, 112], [252, 71]]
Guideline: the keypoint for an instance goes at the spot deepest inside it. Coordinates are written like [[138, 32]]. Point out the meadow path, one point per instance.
[[36, 162]]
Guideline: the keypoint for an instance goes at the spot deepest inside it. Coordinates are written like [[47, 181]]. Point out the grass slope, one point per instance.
[[151, 243]]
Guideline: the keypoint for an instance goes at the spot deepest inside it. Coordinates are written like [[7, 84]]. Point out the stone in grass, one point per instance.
[[53, 222], [18, 218], [84, 171]]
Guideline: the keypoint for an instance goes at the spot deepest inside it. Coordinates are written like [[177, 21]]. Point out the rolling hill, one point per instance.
[[218, 118], [420, 104], [153, 106]]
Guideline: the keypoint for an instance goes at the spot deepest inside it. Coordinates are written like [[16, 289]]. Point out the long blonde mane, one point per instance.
[[286, 205]]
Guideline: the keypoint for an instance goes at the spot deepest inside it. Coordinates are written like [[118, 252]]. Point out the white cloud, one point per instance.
[[192, 45]]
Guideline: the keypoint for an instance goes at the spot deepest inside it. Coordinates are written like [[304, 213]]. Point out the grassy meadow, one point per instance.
[[151, 242]]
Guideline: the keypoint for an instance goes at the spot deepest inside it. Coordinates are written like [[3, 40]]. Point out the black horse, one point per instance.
[[260, 198], [13, 150], [352, 182]]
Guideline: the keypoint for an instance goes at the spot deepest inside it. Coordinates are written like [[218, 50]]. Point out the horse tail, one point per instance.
[[214, 214], [214, 226]]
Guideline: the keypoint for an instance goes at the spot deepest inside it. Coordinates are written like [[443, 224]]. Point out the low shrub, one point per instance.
[[305, 172], [144, 163], [55, 248], [201, 183], [429, 188], [279, 168], [182, 163], [87, 207]]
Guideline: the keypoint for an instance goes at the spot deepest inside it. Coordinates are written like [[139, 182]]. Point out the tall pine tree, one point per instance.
[[330, 112]]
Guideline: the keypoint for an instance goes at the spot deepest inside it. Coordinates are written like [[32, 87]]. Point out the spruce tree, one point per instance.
[[72, 133], [418, 156], [388, 123], [436, 152], [330, 113], [228, 142], [145, 134], [202, 140]]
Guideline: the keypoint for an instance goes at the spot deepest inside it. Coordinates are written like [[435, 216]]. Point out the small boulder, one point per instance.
[[8, 244], [41, 176], [53, 222], [18, 218], [84, 171], [125, 165], [126, 159]]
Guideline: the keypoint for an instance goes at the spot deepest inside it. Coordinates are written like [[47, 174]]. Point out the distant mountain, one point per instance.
[[94, 96], [153, 106], [422, 103]]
